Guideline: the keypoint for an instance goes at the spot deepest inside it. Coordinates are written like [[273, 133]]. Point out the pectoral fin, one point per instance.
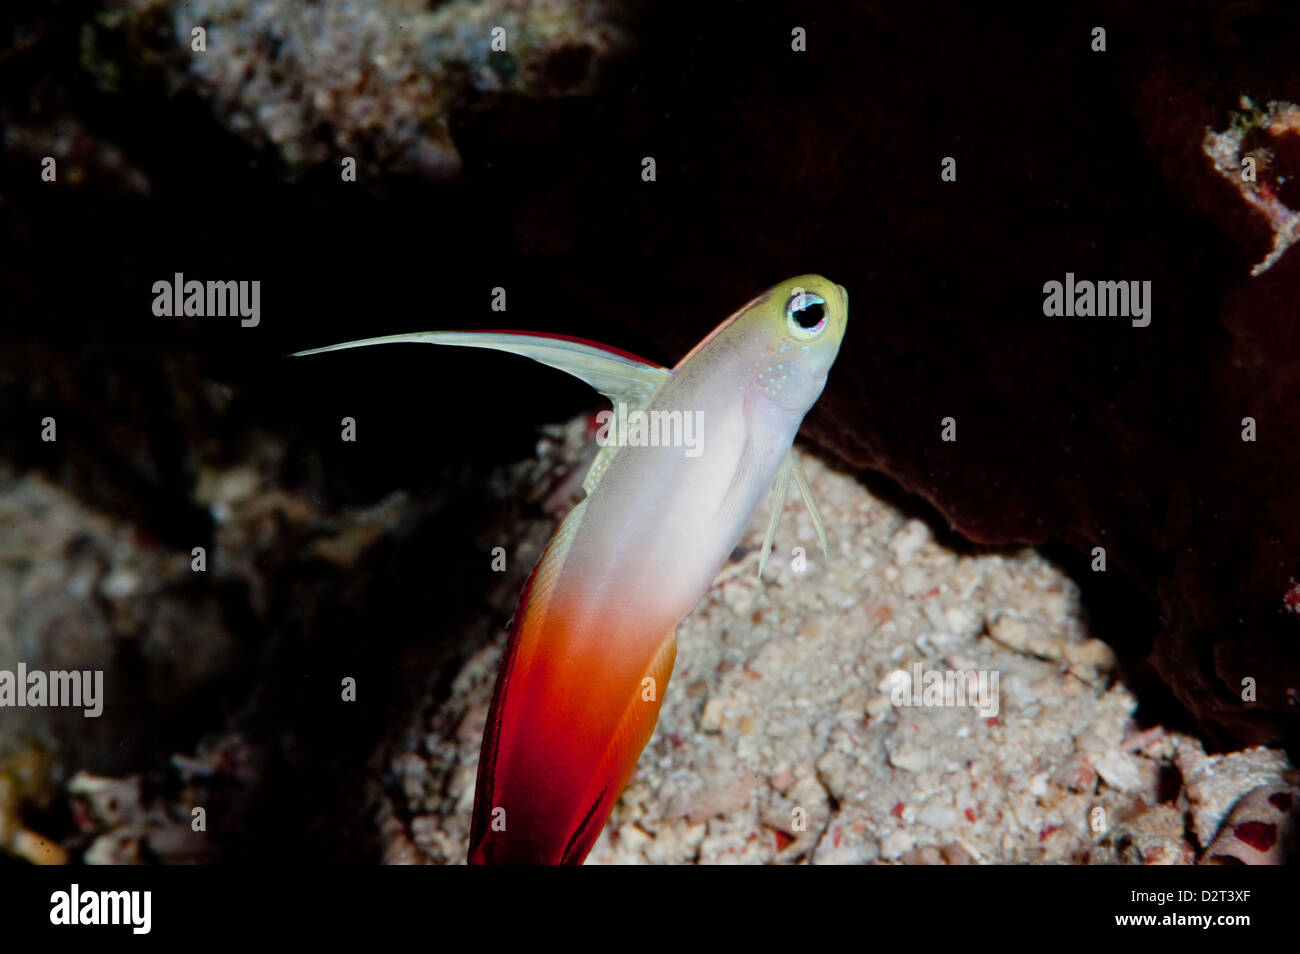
[[790, 467], [778, 505], [805, 492]]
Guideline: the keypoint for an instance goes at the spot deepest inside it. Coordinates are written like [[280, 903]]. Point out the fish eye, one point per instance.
[[805, 315]]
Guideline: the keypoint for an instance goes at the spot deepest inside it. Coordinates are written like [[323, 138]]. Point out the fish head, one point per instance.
[[794, 333]]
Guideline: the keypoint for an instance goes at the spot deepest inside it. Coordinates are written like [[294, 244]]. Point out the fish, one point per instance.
[[593, 640]]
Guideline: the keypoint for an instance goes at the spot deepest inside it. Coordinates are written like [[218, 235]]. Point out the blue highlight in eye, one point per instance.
[[799, 303]]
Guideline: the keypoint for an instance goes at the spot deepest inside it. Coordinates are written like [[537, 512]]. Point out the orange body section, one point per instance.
[[575, 703]]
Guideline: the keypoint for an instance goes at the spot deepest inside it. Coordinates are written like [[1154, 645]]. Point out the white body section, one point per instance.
[[659, 524]]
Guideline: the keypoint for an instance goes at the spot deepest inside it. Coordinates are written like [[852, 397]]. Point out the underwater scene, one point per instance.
[[540, 432]]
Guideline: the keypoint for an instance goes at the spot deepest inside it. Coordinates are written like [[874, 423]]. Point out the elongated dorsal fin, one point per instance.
[[618, 375], [791, 467]]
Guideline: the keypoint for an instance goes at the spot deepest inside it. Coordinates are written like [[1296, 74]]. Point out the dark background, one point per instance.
[[1072, 433]]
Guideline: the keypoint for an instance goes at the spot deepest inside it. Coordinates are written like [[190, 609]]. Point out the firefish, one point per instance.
[[593, 640]]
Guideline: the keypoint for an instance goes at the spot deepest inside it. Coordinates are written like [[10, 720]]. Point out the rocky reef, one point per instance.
[[376, 81]]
